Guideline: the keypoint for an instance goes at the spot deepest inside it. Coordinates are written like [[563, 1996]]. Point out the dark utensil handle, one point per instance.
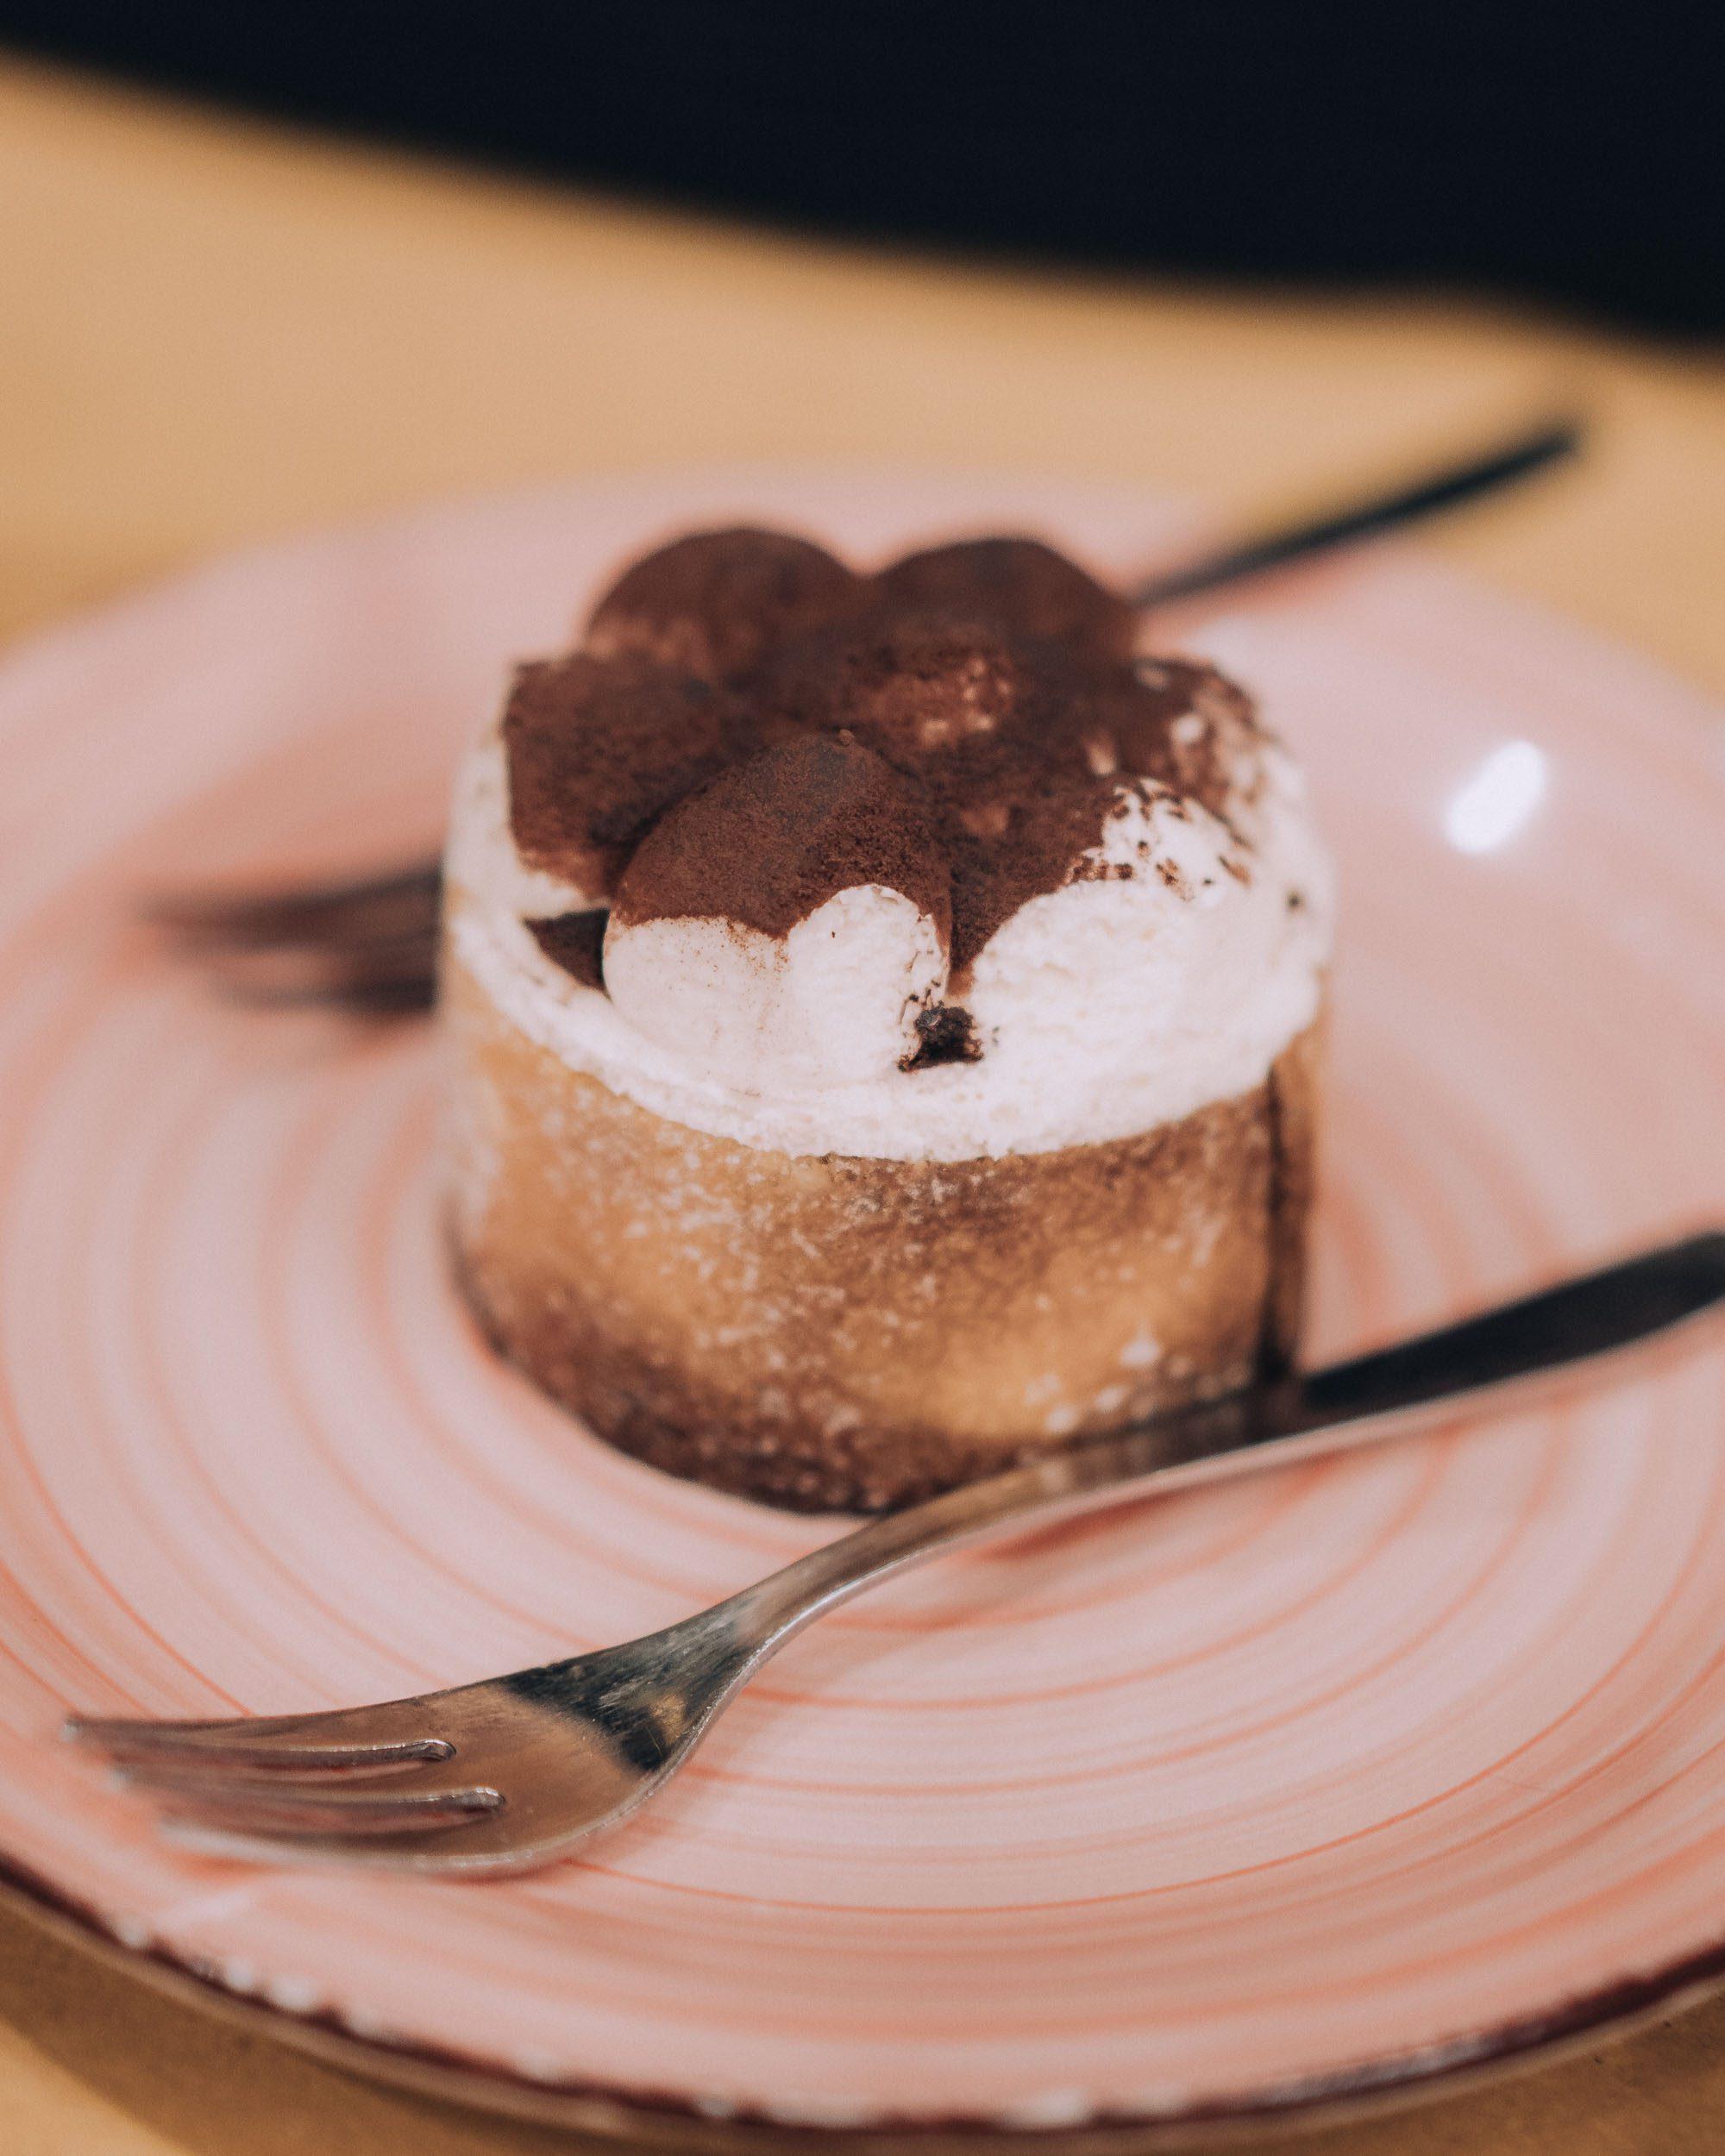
[[1409, 504], [1590, 1315]]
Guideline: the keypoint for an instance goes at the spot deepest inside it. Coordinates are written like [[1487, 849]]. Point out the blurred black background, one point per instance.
[[1569, 153]]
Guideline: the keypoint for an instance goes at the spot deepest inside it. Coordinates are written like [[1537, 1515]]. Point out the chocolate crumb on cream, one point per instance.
[[946, 1034], [576, 942]]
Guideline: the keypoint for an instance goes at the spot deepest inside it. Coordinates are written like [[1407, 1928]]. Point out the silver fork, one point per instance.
[[368, 946], [510, 1773]]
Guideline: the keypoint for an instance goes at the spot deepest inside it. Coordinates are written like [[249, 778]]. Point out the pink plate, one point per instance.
[[1336, 1778]]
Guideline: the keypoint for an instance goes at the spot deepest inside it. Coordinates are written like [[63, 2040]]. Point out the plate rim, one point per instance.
[[657, 2120], [653, 2119]]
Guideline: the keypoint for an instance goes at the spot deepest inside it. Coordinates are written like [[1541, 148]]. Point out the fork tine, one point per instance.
[[360, 909], [476, 1846], [356, 1739], [396, 995], [279, 1773], [395, 977], [236, 1806]]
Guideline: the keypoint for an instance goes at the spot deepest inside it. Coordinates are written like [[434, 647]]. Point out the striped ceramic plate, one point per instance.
[[1340, 1778]]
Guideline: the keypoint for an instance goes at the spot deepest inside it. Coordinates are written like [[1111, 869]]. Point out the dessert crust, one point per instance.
[[834, 1332]]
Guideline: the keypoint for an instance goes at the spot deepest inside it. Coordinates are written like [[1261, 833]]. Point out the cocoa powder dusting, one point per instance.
[[1019, 585], [710, 603], [768, 841], [958, 729], [596, 748]]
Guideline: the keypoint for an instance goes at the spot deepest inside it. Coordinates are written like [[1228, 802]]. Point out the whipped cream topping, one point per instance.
[[831, 1004], [1155, 983], [480, 856], [916, 865]]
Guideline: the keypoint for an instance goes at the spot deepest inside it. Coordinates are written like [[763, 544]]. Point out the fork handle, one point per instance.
[[1411, 502], [1536, 1338]]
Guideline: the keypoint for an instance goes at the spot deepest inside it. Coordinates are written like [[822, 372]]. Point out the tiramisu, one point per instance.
[[883, 1013]]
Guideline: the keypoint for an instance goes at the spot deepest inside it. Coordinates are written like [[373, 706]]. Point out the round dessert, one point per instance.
[[883, 1015]]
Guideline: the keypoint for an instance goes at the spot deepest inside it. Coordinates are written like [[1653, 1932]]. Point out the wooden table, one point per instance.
[[210, 331]]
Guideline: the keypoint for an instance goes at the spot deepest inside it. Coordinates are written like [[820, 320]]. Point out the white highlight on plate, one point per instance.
[[1488, 810], [293, 1995]]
